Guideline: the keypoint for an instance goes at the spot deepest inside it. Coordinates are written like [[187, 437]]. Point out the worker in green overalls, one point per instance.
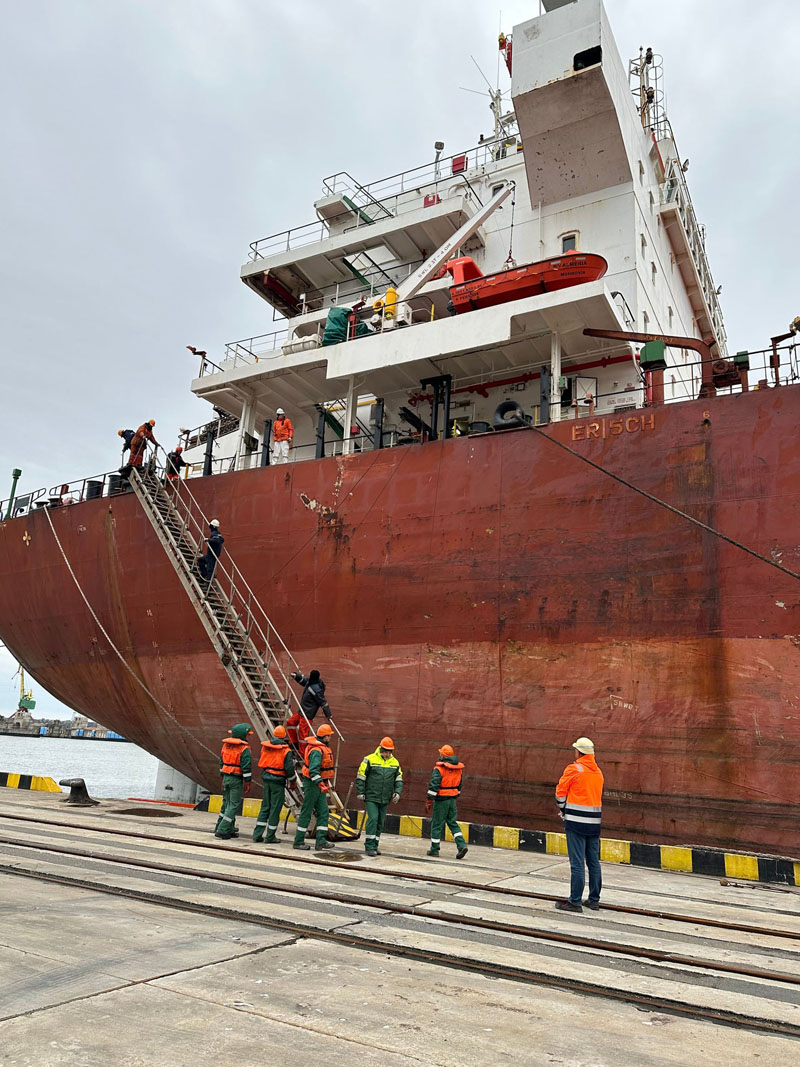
[[318, 769], [235, 765], [278, 769], [379, 780], [444, 787]]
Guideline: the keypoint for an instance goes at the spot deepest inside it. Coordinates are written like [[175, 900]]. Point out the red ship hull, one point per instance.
[[546, 276], [491, 592]]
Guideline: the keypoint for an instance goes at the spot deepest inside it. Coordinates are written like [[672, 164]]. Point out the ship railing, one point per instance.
[[386, 197], [240, 598], [674, 190], [278, 344], [309, 233], [445, 168]]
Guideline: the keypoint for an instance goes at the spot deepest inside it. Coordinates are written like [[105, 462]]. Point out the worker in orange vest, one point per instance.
[[579, 795], [444, 787], [235, 765], [278, 768], [282, 437], [317, 777]]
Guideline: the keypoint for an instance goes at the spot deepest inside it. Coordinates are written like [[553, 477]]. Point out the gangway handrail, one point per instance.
[[180, 490]]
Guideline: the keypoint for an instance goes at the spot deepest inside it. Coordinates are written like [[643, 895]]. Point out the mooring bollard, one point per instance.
[[77, 793]]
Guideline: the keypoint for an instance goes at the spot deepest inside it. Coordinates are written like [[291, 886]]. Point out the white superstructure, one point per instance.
[[594, 166]]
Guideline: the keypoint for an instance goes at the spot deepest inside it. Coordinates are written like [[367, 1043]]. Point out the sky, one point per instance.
[[148, 142]]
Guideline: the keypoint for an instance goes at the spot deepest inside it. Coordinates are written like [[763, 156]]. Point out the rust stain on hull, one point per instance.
[[490, 592]]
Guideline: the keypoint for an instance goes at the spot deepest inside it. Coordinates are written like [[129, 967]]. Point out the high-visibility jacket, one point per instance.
[[273, 759], [446, 779], [282, 430], [317, 761], [378, 779], [231, 760], [579, 795]]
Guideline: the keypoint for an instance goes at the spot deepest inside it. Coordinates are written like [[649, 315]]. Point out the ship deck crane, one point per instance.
[[394, 303]]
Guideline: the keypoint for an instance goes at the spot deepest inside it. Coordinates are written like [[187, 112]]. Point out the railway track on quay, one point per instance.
[[742, 974]]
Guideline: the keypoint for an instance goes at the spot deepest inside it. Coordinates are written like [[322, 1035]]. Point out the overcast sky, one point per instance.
[[147, 142]]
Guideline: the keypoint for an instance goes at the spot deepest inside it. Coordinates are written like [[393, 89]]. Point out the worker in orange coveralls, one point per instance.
[[139, 447], [282, 437]]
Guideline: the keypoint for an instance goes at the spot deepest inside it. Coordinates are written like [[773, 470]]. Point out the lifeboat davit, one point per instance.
[[472, 290]]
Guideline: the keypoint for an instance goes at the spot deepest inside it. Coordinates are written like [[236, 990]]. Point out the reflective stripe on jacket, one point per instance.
[[325, 770], [579, 795], [273, 758], [232, 751], [449, 779], [379, 778]]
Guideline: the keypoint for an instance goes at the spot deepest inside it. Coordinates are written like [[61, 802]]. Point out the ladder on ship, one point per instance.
[[249, 647]]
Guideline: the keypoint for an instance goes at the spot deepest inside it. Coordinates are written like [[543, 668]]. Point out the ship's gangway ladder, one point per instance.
[[255, 658]]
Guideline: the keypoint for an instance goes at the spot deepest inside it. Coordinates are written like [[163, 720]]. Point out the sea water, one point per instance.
[[109, 768]]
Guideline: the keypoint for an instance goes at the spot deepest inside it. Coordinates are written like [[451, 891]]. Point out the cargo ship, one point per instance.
[[557, 512]]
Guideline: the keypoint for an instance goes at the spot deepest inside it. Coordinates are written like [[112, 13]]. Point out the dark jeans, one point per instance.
[[584, 851]]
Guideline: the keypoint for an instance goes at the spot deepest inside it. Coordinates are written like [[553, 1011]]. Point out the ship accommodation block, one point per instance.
[[587, 174]]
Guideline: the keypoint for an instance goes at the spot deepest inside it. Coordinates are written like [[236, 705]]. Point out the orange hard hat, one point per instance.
[[324, 730], [179, 448], [120, 433], [152, 422], [446, 750], [387, 743], [279, 731]]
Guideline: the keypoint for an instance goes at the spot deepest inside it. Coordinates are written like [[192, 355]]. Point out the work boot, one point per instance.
[[271, 841], [462, 852], [432, 852], [324, 846], [258, 840], [304, 848], [371, 852], [567, 905], [592, 905]]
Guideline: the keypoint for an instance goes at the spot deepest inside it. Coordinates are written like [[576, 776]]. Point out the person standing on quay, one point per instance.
[[379, 780], [282, 437], [235, 765], [278, 769], [444, 787], [579, 795], [317, 778]]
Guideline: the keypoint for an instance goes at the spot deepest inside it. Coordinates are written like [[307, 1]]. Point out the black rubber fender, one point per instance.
[[509, 416]]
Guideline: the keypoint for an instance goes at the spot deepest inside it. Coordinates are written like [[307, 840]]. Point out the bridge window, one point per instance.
[[589, 57], [569, 242]]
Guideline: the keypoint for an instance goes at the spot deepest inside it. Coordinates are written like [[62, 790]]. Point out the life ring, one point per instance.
[[509, 416]]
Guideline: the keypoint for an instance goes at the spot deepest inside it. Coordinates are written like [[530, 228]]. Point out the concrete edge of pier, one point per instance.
[[693, 859]]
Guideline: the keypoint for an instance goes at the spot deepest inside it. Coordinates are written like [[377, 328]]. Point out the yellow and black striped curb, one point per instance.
[[28, 781], [694, 859]]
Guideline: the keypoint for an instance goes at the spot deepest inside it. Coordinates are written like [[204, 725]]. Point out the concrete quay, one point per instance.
[[143, 951]]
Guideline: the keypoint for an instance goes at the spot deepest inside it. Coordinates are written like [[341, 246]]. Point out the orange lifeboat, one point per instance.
[[472, 290]]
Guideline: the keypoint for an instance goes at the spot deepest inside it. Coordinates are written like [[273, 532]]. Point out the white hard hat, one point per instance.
[[214, 522], [280, 411], [584, 745]]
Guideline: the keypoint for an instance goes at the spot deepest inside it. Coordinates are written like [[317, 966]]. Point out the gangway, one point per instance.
[[255, 658]]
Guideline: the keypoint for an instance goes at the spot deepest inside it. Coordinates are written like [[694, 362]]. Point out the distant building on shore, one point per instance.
[[22, 724]]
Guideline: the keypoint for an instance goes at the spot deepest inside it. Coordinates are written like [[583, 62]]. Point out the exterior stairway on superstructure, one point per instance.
[[228, 610]]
